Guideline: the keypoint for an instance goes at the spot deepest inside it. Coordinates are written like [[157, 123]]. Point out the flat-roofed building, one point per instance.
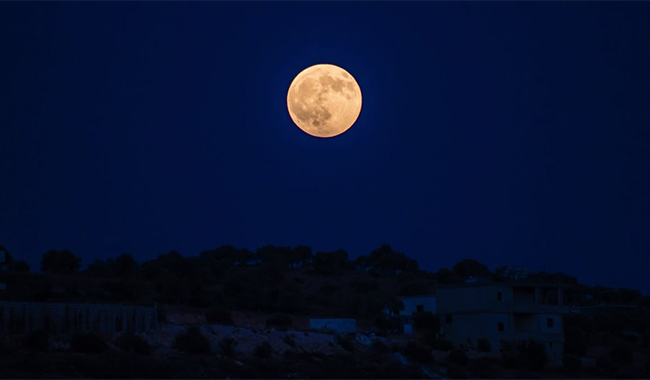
[[504, 312]]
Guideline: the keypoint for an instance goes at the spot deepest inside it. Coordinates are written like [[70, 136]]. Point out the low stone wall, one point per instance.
[[69, 318]]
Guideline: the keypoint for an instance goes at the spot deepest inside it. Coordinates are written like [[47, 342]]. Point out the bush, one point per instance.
[[263, 350], [483, 345], [227, 346], [218, 315], [533, 355], [129, 342], [622, 354], [455, 371], [444, 344], [280, 321], [426, 321], [192, 342], [387, 324], [346, 342], [37, 341], [571, 363], [509, 355], [380, 346], [290, 340], [458, 356], [418, 353], [4, 347], [605, 365], [87, 343], [161, 313]]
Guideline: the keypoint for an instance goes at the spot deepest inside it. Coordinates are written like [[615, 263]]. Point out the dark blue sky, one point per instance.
[[510, 132]]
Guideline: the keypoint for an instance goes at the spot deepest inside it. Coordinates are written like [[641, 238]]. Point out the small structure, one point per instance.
[[339, 325]]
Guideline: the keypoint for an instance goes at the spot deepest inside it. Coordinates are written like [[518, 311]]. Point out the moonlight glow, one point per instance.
[[324, 100]]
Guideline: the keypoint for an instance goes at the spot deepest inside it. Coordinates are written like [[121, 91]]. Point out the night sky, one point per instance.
[[514, 133]]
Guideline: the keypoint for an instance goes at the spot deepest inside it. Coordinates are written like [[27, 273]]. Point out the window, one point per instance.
[[449, 319], [500, 296], [549, 322], [420, 308], [500, 326]]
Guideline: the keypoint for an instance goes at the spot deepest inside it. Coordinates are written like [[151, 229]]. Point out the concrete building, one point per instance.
[[504, 312]]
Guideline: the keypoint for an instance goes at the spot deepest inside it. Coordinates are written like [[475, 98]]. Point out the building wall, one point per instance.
[[68, 318], [476, 312], [339, 325], [474, 298], [470, 327], [411, 304]]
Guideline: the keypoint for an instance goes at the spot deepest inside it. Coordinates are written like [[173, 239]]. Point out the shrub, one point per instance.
[[161, 313], [533, 355], [280, 321], [622, 354], [458, 356], [129, 342], [290, 340], [227, 346], [483, 345], [418, 353], [387, 324], [509, 355], [218, 315], [444, 344], [87, 343], [263, 350], [379, 346], [455, 371], [192, 342], [37, 341], [426, 321], [571, 363], [605, 365], [4, 347], [345, 342]]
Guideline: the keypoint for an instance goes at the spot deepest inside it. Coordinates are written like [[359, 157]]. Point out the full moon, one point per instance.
[[324, 100]]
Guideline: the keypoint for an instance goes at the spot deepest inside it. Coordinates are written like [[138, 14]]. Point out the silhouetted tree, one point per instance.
[[384, 261], [21, 266], [414, 288], [330, 262], [60, 262], [470, 267], [552, 278], [100, 268], [446, 276], [275, 256], [125, 266], [303, 254], [11, 265]]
